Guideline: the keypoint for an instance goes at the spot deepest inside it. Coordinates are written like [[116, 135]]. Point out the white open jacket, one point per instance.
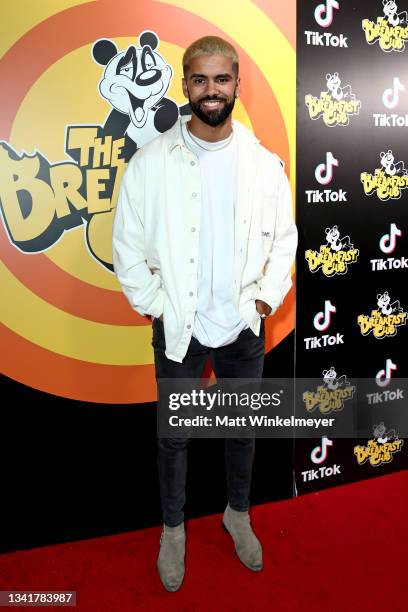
[[157, 225]]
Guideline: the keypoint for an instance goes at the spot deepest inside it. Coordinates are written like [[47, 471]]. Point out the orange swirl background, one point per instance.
[[66, 327]]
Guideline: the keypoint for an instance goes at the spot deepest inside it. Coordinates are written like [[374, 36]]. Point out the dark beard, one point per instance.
[[214, 117]]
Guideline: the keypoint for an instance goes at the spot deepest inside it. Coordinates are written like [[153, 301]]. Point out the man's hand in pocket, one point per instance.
[[263, 308]]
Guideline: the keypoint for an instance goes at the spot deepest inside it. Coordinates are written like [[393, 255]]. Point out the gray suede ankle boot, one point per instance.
[[171, 556], [247, 545]]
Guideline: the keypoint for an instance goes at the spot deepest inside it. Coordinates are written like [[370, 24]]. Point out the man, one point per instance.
[[204, 243]]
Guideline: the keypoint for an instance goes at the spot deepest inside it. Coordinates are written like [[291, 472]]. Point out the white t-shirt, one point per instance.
[[216, 322]]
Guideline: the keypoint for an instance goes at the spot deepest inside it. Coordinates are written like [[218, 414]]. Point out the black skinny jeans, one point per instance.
[[244, 358]]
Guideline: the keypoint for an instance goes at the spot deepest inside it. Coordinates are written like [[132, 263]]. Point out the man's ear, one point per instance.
[[184, 86], [238, 88]]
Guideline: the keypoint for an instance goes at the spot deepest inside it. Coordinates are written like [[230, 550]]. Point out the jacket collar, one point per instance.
[[175, 138]]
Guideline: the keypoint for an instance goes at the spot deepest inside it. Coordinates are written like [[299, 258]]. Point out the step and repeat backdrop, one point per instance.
[[74, 355], [352, 214]]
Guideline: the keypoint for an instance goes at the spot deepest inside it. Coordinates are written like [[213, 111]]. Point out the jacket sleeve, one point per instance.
[[141, 287], [276, 281]]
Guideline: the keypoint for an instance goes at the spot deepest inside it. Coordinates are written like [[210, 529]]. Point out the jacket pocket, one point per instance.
[[247, 307]]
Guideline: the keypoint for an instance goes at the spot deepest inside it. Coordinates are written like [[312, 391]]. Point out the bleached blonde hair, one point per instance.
[[210, 45]]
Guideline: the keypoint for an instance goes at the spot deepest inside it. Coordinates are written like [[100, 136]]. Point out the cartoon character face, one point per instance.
[[390, 8], [135, 79], [387, 159], [329, 376], [379, 430], [383, 300], [332, 234], [333, 81]]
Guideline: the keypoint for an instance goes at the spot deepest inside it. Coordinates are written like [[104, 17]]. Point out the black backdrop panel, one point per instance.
[[352, 120]]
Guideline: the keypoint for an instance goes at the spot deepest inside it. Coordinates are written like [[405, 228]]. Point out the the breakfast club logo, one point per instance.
[[390, 29], [335, 105], [384, 320], [331, 395], [41, 200], [381, 448], [335, 256], [387, 182]]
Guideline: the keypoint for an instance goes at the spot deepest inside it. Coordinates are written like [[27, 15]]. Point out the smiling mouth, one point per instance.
[[137, 106], [135, 102], [212, 104]]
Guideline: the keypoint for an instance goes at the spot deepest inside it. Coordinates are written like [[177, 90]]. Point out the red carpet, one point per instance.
[[341, 549]]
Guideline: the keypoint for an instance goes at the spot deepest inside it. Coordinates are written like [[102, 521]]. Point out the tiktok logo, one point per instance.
[[326, 9], [324, 171], [391, 96], [322, 320], [383, 377], [319, 454], [388, 242]]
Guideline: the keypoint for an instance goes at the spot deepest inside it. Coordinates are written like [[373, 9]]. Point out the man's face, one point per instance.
[[211, 87]]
